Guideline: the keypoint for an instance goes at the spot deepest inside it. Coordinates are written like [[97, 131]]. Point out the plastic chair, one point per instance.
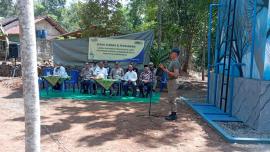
[[42, 84], [74, 74], [163, 81], [145, 90], [128, 87], [47, 71]]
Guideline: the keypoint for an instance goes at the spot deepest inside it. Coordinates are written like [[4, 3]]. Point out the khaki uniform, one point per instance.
[[172, 86], [172, 94]]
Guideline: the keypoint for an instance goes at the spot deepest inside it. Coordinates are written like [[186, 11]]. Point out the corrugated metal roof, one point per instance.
[[11, 25]]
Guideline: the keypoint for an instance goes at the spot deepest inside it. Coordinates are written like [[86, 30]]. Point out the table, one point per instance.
[[107, 83], [53, 80]]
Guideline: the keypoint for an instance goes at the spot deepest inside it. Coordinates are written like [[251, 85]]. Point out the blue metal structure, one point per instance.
[[229, 39], [253, 39], [242, 52], [227, 50], [212, 116], [209, 45]]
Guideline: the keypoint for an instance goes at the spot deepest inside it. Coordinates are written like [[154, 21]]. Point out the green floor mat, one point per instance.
[[79, 96]]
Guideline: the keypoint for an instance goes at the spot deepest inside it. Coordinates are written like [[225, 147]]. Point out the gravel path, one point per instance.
[[239, 129]]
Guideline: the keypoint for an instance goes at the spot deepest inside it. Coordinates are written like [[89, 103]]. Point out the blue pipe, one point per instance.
[[216, 82], [217, 52], [253, 38], [209, 47], [232, 85]]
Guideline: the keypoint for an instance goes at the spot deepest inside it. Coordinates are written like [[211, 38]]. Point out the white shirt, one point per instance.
[[103, 73], [130, 76], [60, 71]]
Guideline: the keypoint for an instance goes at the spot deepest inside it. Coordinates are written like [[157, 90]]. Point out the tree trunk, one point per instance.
[[29, 76], [187, 55], [7, 48], [159, 24], [204, 48]]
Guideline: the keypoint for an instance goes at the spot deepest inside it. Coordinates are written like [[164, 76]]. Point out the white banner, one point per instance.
[[114, 49]]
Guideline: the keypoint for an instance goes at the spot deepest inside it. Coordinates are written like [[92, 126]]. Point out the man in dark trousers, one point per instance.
[[173, 73]]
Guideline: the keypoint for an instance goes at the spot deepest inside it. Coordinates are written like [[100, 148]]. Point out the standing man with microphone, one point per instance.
[[173, 73]]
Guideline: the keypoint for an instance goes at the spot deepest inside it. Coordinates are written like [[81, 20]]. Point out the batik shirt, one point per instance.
[[148, 76]]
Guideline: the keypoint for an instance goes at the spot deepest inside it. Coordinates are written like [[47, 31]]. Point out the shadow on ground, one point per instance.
[[97, 123]]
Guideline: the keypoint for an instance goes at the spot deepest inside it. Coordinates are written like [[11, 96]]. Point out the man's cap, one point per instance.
[[117, 63], [175, 50], [151, 63]]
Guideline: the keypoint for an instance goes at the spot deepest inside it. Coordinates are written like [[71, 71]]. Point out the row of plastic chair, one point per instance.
[[74, 81]]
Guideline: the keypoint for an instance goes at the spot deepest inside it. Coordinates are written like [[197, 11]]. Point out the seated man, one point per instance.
[[134, 67], [146, 79], [59, 71], [116, 73], [130, 79], [87, 74], [100, 73], [107, 66]]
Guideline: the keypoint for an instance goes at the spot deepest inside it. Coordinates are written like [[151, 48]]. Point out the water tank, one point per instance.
[[38, 34], [44, 34]]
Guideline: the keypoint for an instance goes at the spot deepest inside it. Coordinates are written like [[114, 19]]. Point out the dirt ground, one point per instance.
[[91, 126]]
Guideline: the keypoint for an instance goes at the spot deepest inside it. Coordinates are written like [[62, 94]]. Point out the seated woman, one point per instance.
[[87, 74], [130, 79], [59, 70], [145, 80], [116, 73]]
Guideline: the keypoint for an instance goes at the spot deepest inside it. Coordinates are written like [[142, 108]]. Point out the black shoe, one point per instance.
[[171, 117]]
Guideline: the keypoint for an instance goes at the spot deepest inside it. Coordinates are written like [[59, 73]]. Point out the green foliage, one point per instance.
[[56, 9], [102, 18], [179, 23], [183, 24], [70, 17], [8, 8], [159, 56], [53, 8]]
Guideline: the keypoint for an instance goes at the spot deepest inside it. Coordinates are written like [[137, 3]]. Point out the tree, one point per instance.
[[29, 76], [106, 18], [70, 17], [53, 8], [7, 8]]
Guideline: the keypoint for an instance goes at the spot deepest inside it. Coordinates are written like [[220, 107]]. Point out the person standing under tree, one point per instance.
[[173, 73]]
